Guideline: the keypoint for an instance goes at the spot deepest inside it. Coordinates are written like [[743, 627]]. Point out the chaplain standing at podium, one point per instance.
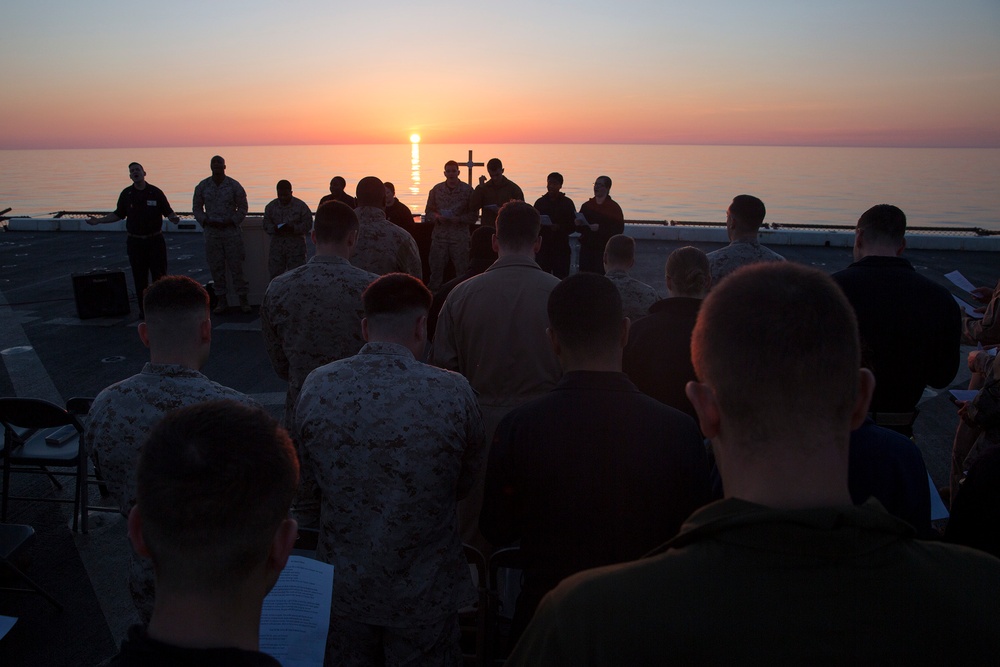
[[142, 206]]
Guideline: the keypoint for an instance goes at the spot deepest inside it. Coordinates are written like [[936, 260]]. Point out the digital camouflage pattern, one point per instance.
[[393, 443], [311, 316], [637, 296], [383, 247], [450, 238], [220, 209], [119, 421], [724, 261], [287, 225]]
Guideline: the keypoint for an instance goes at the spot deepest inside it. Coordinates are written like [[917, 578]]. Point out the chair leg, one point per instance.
[[52, 478], [82, 492], [35, 587], [6, 488]]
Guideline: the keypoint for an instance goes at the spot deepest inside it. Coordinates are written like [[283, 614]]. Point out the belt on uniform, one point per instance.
[[144, 236]]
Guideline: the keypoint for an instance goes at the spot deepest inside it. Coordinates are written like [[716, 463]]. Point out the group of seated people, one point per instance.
[[719, 460]]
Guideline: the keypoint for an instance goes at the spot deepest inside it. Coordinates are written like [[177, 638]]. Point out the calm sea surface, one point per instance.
[[798, 184]]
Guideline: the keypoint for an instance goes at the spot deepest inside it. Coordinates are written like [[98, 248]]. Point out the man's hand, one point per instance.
[[174, 218], [977, 361], [982, 294], [93, 220], [482, 179]]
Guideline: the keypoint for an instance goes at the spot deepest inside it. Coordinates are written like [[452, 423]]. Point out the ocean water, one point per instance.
[[934, 186]]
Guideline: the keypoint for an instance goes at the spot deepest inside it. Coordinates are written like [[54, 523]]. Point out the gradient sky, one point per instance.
[[110, 73]]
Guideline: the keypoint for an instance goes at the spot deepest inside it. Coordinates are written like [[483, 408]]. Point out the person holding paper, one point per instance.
[[599, 219], [215, 482], [448, 208], [287, 220], [491, 194], [554, 255], [987, 329], [784, 570]]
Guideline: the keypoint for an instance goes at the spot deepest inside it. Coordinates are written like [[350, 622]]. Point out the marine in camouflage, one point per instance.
[[637, 296], [383, 247]]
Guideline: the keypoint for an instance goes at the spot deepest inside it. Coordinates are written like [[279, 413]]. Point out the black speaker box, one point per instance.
[[100, 294]]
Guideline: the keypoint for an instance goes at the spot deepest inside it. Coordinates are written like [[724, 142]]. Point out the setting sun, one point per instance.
[[414, 138]]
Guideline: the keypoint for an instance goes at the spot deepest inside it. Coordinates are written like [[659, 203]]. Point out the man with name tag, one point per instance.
[[142, 206]]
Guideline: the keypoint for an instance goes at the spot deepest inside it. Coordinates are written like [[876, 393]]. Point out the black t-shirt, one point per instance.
[[143, 210], [140, 651]]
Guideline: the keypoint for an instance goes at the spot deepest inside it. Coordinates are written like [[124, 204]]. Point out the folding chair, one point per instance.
[[37, 436], [79, 407], [472, 621], [13, 538], [503, 585]]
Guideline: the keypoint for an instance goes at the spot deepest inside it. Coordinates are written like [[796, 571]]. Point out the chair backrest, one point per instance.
[[34, 413]]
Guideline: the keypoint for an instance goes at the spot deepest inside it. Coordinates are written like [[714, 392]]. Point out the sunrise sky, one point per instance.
[[110, 73]]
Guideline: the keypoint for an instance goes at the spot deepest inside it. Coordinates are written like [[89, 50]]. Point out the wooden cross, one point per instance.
[[470, 164]]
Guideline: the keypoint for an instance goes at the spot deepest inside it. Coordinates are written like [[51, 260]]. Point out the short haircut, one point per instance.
[[131, 164], [493, 164], [748, 212], [338, 181], [604, 178], [778, 345], [371, 192], [393, 300], [390, 187], [555, 176], [451, 163], [883, 222], [585, 312], [215, 480], [334, 221], [518, 225], [217, 158], [171, 295], [287, 185], [481, 243], [689, 271], [620, 249]]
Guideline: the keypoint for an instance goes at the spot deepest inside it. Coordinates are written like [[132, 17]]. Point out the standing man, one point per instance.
[[594, 472], [448, 209], [393, 444], [785, 570], [396, 211], [382, 247], [602, 219], [287, 220], [491, 195], [220, 205], [215, 484], [143, 207], [910, 327], [637, 296], [311, 315], [492, 330], [744, 217], [178, 333], [337, 185], [558, 222]]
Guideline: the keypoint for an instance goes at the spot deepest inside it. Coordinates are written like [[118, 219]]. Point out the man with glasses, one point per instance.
[[602, 218]]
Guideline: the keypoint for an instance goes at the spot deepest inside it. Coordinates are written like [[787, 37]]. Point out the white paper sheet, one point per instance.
[[967, 309], [960, 281], [6, 623], [938, 510], [963, 394], [296, 614]]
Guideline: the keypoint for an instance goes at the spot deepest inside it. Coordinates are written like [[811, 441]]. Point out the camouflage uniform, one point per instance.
[[724, 261], [287, 224], [987, 329], [311, 316], [637, 296], [220, 209], [384, 247], [450, 238], [491, 195], [119, 421], [393, 443]]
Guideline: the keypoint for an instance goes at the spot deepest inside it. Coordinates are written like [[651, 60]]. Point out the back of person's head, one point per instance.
[[175, 306], [585, 313], [748, 212], [334, 221], [481, 244], [392, 303], [620, 251], [778, 345], [518, 226], [688, 271], [215, 480], [883, 223], [371, 192]]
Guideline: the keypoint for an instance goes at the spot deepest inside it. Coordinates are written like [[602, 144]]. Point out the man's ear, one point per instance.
[[866, 387], [494, 244], [364, 328], [901, 248], [553, 340], [135, 532], [538, 245], [143, 330], [282, 545], [702, 397], [206, 330], [626, 327], [420, 329]]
